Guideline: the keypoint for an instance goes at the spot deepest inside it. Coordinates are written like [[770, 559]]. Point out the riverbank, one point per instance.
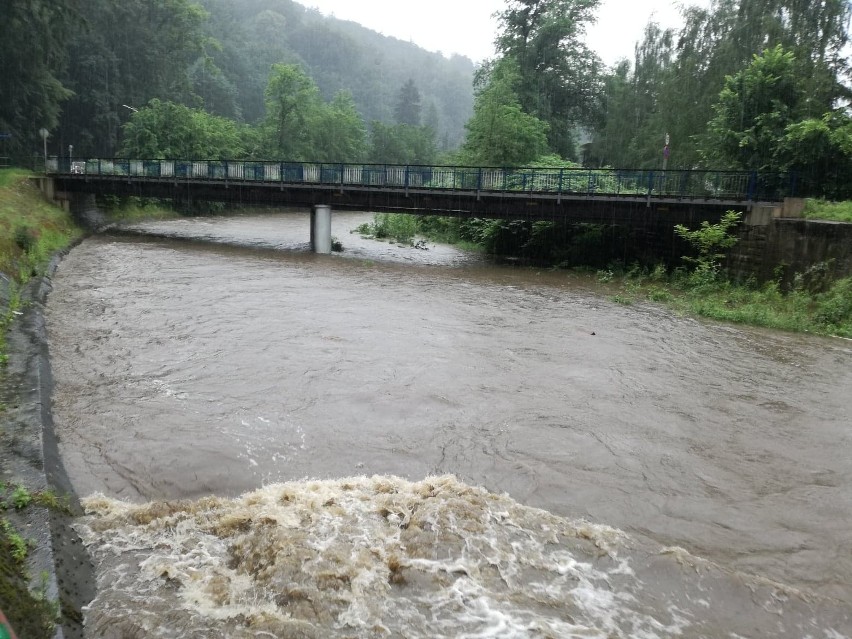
[[33, 517], [815, 303]]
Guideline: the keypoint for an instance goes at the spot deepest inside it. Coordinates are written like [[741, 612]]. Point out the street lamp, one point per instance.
[[44, 133]]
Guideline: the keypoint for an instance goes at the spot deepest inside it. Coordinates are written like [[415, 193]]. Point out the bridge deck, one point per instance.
[[446, 190]]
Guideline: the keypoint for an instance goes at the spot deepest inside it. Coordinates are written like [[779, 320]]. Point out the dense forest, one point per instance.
[[81, 69], [743, 84]]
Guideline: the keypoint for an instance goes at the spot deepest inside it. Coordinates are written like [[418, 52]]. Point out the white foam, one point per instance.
[[384, 556]]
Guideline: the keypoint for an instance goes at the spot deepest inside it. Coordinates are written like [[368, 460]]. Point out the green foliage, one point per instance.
[[300, 126], [819, 150], [408, 107], [291, 97], [501, 133], [133, 209], [10, 177], [558, 75], [677, 75], [19, 498], [753, 112], [708, 240], [169, 130], [16, 545], [33, 51], [50, 500], [39, 230], [339, 134], [71, 67], [391, 226], [834, 308], [800, 309], [822, 210], [24, 238], [128, 53], [30, 613], [339, 56], [629, 132], [402, 144]]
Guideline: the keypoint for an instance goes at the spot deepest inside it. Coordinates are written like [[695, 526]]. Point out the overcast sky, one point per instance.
[[467, 26]]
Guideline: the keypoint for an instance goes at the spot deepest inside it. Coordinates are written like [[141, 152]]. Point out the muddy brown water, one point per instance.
[[218, 356]]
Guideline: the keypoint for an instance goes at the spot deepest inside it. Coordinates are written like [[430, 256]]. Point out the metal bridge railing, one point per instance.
[[691, 184]]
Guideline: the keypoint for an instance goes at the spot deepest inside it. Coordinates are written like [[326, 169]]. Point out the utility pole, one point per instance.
[[666, 153]]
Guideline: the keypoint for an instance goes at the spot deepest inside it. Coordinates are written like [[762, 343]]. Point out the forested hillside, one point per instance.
[[79, 69]]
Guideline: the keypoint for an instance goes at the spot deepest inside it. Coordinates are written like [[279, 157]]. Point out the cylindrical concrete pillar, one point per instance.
[[321, 229]]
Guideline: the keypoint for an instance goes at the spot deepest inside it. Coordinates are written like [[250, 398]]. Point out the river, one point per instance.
[[401, 442]]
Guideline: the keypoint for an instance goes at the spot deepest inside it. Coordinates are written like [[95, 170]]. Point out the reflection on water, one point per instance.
[[186, 369]]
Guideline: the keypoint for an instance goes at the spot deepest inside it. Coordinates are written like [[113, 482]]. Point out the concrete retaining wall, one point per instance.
[[788, 246]]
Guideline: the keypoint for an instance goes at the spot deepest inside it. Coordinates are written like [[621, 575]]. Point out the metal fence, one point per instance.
[[687, 184]]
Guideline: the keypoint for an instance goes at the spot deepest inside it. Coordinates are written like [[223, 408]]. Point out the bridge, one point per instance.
[[613, 196]]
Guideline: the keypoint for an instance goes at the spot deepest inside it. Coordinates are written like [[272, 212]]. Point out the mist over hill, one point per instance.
[[337, 54]]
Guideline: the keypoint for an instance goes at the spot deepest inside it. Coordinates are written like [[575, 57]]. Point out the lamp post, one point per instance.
[[44, 133]]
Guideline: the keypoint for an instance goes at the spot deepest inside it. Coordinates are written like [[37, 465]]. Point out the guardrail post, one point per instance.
[[650, 187], [752, 186]]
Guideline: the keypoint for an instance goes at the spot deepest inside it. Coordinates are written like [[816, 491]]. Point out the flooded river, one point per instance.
[[396, 442]]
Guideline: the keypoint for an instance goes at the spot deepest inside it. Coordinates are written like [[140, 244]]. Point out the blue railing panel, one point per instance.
[[693, 184]]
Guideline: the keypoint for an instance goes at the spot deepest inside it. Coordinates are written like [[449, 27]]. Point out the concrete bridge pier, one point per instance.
[[321, 229]]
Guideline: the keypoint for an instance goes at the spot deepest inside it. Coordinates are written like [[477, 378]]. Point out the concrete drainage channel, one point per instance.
[[29, 455]]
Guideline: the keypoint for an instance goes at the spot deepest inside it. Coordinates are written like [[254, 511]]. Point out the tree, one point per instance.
[[338, 132], [169, 130], [500, 133], [34, 56], [292, 100], [408, 110], [402, 144], [677, 77], [558, 78], [635, 117], [128, 52], [754, 109], [819, 152]]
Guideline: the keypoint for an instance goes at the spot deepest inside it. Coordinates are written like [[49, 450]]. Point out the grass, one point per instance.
[[31, 231], [824, 312], [391, 226], [823, 210]]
